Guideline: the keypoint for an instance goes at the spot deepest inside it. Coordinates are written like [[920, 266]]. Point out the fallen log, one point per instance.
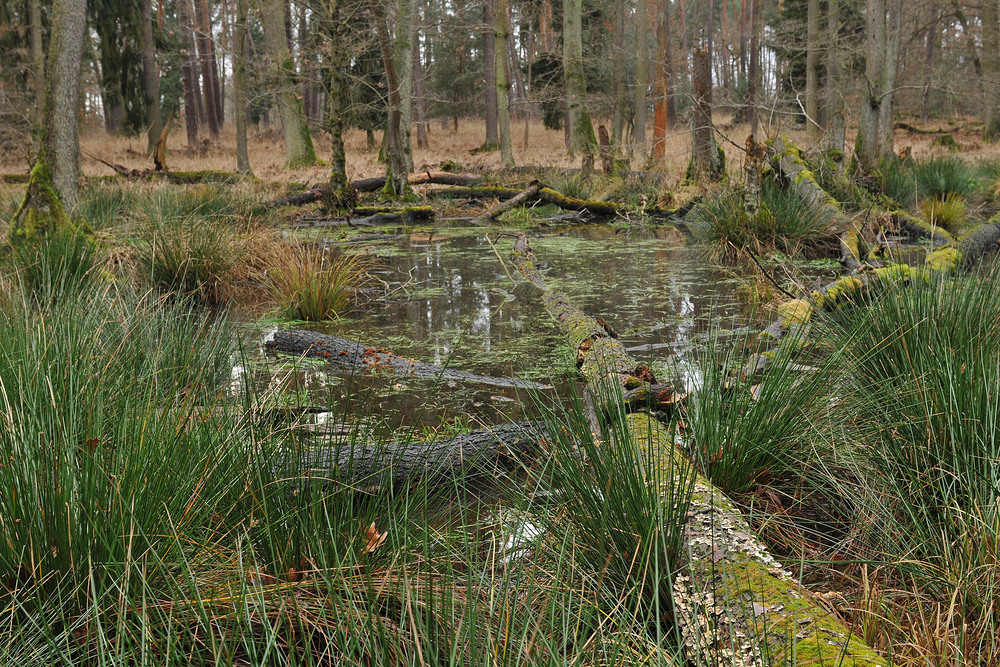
[[734, 602], [593, 206], [414, 212], [485, 451], [351, 357], [480, 192], [372, 185], [913, 129], [970, 249], [527, 196]]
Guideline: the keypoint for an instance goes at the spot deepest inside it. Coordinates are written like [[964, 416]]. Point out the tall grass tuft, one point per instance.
[[946, 211], [784, 222], [943, 176], [190, 260], [57, 265], [313, 284], [922, 421]]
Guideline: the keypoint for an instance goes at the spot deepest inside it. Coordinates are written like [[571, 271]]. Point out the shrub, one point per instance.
[[313, 284]]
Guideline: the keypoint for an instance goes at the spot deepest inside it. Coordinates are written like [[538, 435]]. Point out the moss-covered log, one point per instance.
[[735, 604], [413, 212], [480, 192], [526, 196], [970, 249], [593, 206]]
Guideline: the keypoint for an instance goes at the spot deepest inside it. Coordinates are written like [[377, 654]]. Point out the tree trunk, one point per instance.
[[882, 34], [665, 116], [835, 122], [418, 90], [189, 75], [342, 194], [406, 35], [397, 179], [734, 603], [503, 85], [489, 69], [991, 69], [298, 143], [930, 50], [150, 79], [812, 71], [641, 80], [755, 75], [53, 182], [37, 56], [707, 159], [206, 58], [240, 87], [618, 88], [582, 139]]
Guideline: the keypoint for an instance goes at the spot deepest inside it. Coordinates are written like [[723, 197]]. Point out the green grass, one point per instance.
[[784, 222], [946, 211], [55, 266], [313, 284]]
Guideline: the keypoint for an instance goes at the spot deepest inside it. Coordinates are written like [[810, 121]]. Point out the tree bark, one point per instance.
[[812, 71], [991, 69], [755, 76], [299, 150], [930, 48], [665, 115], [641, 80], [882, 34], [189, 76], [206, 58], [53, 182], [503, 85], [492, 141], [419, 103], [618, 88], [37, 56], [150, 79], [341, 193], [240, 87], [397, 178], [834, 138], [406, 35], [582, 139]]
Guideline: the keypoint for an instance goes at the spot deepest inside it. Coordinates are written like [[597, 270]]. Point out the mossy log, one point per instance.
[[351, 357], [480, 192], [486, 451], [593, 206], [526, 196], [970, 249], [735, 604], [373, 185], [14, 179], [651, 176]]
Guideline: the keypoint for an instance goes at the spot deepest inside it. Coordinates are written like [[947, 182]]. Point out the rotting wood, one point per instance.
[[351, 357], [593, 206], [734, 602], [481, 192], [373, 185], [414, 212], [485, 451]]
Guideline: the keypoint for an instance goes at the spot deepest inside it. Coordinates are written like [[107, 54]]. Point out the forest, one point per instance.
[[499, 332]]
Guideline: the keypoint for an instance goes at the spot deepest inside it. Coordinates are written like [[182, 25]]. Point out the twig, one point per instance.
[[766, 274]]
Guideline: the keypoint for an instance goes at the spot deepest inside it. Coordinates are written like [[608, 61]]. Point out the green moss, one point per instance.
[[796, 311], [842, 290], [945, 260], [42, 211]]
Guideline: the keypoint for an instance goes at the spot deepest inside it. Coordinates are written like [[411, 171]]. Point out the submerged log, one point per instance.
[[734, 602], [485, 451], [351, 357]]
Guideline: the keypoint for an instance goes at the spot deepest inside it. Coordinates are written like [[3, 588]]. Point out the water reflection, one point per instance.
[[455, 304]]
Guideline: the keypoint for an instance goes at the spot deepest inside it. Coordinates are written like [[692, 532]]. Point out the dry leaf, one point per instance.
[[373, 539]]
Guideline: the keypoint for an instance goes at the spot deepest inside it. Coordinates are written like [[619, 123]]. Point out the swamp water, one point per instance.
[[452, 301]]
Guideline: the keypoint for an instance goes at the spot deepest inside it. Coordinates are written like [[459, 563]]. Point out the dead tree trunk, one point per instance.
[[707, 159]]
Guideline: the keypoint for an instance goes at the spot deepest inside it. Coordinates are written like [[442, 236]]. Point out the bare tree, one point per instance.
[[240, 87], [582, 139], [991, 69], [503, 85], [812, 70], [150, 79], [641, 79]]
